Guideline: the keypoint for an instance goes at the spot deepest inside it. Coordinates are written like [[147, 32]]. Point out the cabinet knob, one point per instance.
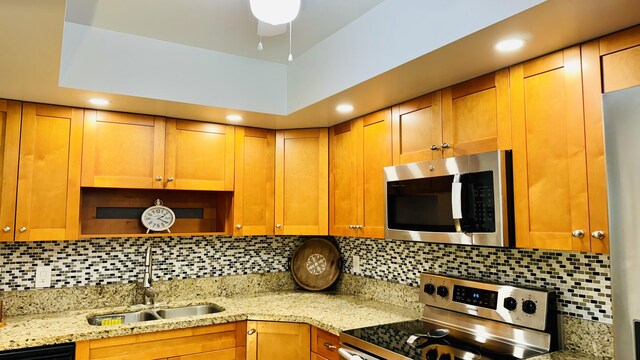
[[435, 147], [446, 145], [251, 331], [358, 226], [158, 178], [170, 179], [329, 346], [278, 226], [22, 229], [577, 233], [351, 226], [239, 226], [598, 234], [6, 229]]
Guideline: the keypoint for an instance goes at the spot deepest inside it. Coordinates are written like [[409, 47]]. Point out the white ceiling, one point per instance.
[[222, 25], [372, 59]]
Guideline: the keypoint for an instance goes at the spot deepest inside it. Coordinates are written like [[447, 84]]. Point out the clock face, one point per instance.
[[158, 218]]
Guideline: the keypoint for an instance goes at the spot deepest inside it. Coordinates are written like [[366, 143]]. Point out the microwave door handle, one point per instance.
[[456, 201]]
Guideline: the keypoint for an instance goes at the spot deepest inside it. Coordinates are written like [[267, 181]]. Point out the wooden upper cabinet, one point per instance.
[[253, 198], [475, 115], [344, 185], [620, 53], [278, 340], [10, 114], [146, 152], [48, 201], [301, 188], [376, 155], [360, 149], [417, 129], [199, 155], [549, 157], [123, 150]]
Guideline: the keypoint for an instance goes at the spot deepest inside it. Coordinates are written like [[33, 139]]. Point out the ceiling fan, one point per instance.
[[273, 17]]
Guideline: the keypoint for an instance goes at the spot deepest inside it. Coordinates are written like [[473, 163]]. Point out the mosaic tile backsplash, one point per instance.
[[581, 280], [121, 260]]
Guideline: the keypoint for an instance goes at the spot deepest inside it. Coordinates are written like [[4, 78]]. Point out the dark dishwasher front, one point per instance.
[[50, 352]]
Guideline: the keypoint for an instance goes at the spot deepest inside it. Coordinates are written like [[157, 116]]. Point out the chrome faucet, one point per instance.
[[149, 293]]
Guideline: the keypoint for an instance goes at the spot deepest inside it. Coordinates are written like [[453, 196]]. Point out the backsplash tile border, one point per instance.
[[582, 281]]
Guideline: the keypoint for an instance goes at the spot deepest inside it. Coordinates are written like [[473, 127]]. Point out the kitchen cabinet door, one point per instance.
[[374, 155], [549, 159], [302, 182], [217, 342], [48, 201], [123, 150], [277, 340], [417, 129], [199, 156], [620, 53], [343, 178], [253, 198], [475, 115], [10, 114]]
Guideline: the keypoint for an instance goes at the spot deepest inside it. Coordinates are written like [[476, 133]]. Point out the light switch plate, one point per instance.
[[43, 277], [355, 264]]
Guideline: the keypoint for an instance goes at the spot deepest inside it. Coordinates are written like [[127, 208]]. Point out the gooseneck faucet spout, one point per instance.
[[149, 293]]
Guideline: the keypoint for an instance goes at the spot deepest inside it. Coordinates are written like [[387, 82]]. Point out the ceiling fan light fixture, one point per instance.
[[275, 12]]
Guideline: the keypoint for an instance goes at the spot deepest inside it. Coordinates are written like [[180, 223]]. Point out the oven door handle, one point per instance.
[[350, 354]]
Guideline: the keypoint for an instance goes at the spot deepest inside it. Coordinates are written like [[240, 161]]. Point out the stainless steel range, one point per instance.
[[463, 319]]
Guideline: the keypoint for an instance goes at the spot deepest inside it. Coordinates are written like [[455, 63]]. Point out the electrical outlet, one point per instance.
[[43, 277], [355, 264]]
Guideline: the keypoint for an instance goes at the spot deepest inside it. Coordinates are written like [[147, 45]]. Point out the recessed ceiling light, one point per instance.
[[99, 101], [234, 117], [509, 44], [344, 108]]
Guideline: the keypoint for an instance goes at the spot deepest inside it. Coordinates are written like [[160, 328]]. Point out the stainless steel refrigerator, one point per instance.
[[622, 149]]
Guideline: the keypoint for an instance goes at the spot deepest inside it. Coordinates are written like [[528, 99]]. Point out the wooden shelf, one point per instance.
[[107, 212]]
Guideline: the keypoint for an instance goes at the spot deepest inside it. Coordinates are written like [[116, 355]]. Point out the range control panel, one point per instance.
[[510, 304]]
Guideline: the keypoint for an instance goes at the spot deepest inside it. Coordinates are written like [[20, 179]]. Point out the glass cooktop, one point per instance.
[[456, 345]]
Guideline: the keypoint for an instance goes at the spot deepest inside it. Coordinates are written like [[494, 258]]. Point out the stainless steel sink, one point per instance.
[[123, 318], [188, 311], [153, 314]]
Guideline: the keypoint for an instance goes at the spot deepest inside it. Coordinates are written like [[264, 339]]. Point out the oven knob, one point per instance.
[[432, 354], [510, 303], [429, 289], [529, 307], [443, 291]]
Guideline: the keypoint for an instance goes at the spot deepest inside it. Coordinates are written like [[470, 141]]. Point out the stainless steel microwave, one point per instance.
[[461, 200]]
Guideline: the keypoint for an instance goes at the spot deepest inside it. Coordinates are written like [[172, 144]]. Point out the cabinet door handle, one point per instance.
[[435, 147], [170, 179], [239, 226], [598, 234], [6, 229], [158, 178], [351, 226], [446, 145], [329, 346], [278, 226], [22, 229], [251, 331], [577, 233]]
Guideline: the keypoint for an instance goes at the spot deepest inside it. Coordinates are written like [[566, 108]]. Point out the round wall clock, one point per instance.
[[158, 217]]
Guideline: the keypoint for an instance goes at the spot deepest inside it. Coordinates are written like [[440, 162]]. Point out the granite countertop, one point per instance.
[[329, 312]]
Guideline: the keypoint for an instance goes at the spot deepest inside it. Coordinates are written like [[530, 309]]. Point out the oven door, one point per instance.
[[349, 353]]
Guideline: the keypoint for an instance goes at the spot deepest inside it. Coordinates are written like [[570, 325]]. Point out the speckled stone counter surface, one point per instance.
[[329, 312]]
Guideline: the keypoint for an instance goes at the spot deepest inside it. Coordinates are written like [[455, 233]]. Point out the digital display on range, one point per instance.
[[477, 297]]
